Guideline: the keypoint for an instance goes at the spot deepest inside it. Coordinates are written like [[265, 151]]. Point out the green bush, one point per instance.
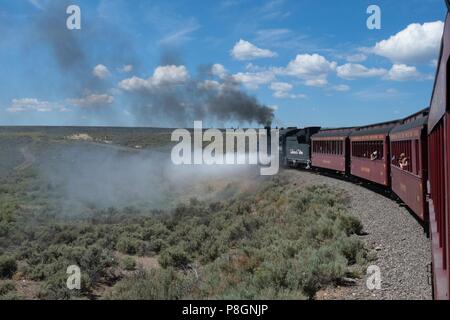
[[352, 249], [129, 263], [7, 287], [127, 245], [174, 257], [351, 225], [8, 266], [55, 287], [156, 284], [316, 269]]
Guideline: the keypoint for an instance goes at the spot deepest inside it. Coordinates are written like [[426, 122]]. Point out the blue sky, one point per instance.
[[314, 62]]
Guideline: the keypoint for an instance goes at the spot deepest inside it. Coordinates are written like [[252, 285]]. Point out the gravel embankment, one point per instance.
[[402, 248]]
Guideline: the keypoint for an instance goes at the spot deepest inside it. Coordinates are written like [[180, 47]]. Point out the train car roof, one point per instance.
[[438, 103], [418, 119], [334, 132], [421, 113], [419, 122], [377, 128]]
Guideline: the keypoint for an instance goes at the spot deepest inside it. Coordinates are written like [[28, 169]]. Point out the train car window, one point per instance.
[[372, 150], [402, 155], [332, 147]]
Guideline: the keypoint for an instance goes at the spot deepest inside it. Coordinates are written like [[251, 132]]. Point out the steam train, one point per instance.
[[409, 157]]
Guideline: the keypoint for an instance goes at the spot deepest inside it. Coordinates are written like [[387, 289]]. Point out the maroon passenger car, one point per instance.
[[439, 170], [331, 149], [369, 156], [409, 165]]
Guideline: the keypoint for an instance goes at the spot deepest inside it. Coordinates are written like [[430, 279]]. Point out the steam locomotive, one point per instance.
[[410, 157]]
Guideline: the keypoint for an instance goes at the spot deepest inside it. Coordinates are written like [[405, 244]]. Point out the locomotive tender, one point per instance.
[[410, 157]]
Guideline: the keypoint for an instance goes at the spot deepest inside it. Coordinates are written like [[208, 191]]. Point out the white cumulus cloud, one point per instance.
[[282, 90], [244, 50], [341, 87], [314, 69], [92, 100], [253, 80], [219, 70], [101, 71], [127, 68], [281, 86], [210, 85], [402, 72], [163, 75], [417, 43], [33, 104], [352, 71], [357, 57]]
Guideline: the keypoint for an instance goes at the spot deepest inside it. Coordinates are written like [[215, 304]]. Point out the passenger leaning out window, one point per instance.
[[403, 161]]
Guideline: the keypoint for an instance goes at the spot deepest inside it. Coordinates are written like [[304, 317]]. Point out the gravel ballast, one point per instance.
[[394, 236]]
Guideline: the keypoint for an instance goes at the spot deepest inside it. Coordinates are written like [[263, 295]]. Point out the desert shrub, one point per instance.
[[315, 269], [351, 225], [7, 287], [12, 295], [174, 257], [352, 249], [51, 264], [128, 245], [55, 287], [155, 230], [129, 263], [272, 273], [8, 266], [154, 284]]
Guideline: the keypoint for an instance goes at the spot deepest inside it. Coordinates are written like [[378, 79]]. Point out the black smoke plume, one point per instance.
[[220, 101]]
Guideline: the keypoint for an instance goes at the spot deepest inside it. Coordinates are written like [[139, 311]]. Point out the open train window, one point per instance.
[[401, 155], [373, 150], [334, 147]]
